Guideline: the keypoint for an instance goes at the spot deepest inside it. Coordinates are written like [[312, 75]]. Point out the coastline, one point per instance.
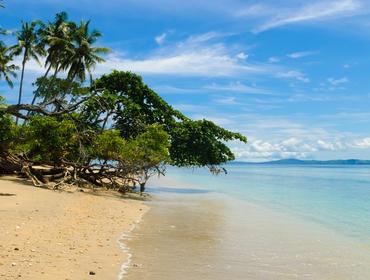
[[64, 234], [210, 236]]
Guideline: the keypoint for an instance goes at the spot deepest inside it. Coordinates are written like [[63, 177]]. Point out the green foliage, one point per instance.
[[149, 149], [145, 151], [193, 143], [49, 88], [28, 42], [201, 143], [52, 139], [56, 36], [109, 145], [7, 68], [136, 105], [82, 55], [112, 130], [8, 131]]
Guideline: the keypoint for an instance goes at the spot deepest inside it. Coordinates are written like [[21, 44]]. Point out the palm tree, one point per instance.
[[83, 57], [57, 36], [30, 46], [7, 71]]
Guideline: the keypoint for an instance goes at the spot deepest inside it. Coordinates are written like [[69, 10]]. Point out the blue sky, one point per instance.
[[294, 76]]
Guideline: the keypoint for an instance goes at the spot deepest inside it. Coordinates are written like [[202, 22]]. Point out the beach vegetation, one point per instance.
[[112, 131]]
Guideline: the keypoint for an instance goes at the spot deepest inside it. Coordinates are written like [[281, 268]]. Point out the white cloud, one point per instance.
[[362, 143], [199, 39], [168, 89], [336, 82], [274, 59], [196, 56], [160, 39], [242, 56], [296, 55], [255, 10], [237, 87], [259, 150], [206, 62], [314, 11], [295, 75], [227, 101]]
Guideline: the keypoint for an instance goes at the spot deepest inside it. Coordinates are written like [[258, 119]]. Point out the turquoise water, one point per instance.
[[337, 197]]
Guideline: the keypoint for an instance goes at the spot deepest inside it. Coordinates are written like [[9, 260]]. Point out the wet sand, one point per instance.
[[203, 236], [47, 235]]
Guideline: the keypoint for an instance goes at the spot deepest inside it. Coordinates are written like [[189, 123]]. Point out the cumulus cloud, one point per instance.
[[242, 56], [292, 147], [362, 143]]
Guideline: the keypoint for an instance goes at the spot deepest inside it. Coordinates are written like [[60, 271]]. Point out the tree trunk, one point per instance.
[[52, 79], [142, 188], [21, 85], [46, 74]]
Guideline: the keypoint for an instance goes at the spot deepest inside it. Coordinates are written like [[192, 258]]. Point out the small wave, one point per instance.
[[121, 242]]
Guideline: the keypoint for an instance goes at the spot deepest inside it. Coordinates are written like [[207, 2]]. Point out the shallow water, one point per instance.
[[259, 222], [337, 197]]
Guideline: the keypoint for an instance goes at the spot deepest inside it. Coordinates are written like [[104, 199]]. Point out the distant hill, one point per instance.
[[312, 162]]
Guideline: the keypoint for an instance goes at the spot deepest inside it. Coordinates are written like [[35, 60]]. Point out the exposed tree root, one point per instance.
[[44, 175]]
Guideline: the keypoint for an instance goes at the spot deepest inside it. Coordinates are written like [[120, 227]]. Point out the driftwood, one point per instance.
[[10, 164], [117, 176]]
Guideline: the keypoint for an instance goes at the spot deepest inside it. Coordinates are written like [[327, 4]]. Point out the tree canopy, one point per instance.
[[113, 132]]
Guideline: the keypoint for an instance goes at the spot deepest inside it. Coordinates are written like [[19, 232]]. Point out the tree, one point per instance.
[[30, 46], [115, 133], [56, 37], [201, 143], [193, 143], [7, 129], [7, 69], [82, 56], [108, 145]]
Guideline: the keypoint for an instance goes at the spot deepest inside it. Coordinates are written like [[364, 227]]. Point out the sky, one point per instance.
[[291, 75]]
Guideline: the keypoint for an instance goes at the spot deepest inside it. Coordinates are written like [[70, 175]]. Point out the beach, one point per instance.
[[194, 230], [75, 235]]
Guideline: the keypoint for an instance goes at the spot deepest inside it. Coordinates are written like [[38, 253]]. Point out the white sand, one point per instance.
[[59, 235]]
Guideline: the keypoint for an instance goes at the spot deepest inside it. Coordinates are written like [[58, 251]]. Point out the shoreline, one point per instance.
[[72, 235], [215, 236]]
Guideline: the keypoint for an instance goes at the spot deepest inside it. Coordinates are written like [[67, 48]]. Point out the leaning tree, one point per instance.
[[115, 133]]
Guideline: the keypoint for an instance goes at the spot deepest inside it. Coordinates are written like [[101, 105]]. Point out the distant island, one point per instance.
[[292, 161]]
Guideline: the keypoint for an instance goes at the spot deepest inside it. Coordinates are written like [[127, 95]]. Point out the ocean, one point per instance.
[[256, 222]]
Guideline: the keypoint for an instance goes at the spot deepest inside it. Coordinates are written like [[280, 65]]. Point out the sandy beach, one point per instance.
[[48, 234]]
